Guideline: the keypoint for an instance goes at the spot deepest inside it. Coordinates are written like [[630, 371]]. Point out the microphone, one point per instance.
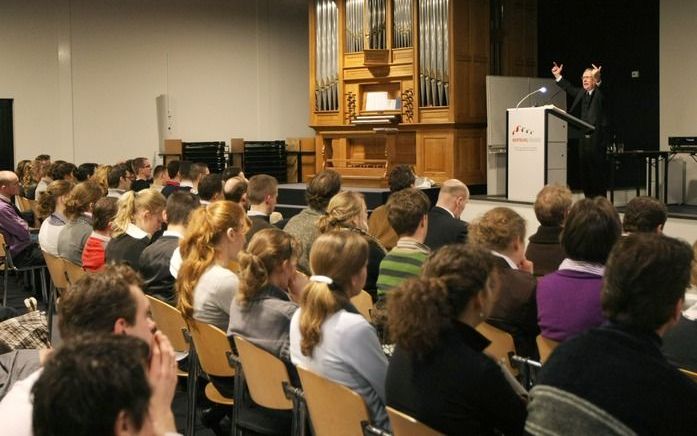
[[541, 90]]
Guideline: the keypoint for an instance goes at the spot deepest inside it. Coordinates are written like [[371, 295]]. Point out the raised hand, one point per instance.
[[556, 70], [596, 72], [162, 375]]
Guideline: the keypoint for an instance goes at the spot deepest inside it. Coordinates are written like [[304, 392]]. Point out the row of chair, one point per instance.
[[268, 382]]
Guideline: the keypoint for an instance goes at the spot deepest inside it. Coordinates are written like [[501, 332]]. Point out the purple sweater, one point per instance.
[[14, 229], [568, 303]]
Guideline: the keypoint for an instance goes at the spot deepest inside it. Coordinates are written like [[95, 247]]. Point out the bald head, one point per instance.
[[453, 196], [235, 189], [9, 183]]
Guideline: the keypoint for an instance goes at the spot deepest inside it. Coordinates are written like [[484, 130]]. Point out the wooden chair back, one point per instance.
[[265, 375], [24, 204], [56, 269], [171, 322], [545, 346], [335, 410], [234, 266], [73, 271], [5, 261], [212, 346], [691, 374], [501, 344], [405, 425], [364, 303]]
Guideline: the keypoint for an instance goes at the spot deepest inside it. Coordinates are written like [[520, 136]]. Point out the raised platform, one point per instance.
[[291, 197]]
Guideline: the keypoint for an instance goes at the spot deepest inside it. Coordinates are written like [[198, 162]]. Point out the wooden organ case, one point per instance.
[[400, 82]]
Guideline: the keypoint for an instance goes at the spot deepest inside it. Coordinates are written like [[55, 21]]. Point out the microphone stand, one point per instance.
[[542, 90]]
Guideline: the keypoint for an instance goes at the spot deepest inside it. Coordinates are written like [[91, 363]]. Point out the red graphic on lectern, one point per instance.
[[522, 130]]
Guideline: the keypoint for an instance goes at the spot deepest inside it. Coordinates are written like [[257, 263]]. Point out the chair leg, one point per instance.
[[4, 288], [42, 277], [51, 307], [191, 385]]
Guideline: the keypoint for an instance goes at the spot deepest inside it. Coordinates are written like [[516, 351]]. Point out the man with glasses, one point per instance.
[[143, 170]]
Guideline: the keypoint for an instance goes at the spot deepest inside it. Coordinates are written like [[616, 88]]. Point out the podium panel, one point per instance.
[[527, 153]]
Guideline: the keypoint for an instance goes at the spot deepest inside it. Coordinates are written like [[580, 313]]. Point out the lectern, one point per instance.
[[536, 144]]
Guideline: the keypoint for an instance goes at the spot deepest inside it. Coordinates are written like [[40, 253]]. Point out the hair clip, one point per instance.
[[322, 279]]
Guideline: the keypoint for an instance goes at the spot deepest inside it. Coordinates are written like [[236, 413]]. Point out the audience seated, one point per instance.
[[85, 171], [614, 379], [644, 214], [400, 177], [210, 188], [106, 385], [119, 180], [143, 172], [235, 189], [52, 211], [568, 300], [439, 373], [269, 287], [101, 176], [205, 285], [42, 176], [264, 304], [110, 301], [544, 249], [190, 175], [502, 231], [14, 229], [159, 178], [679, 342], [155, 259], [262, 193], [173, 178], [62, 170], [407, 212], [347, 211], [303, 226], [25, 173], [94, 253], [327, 334], [78, 211], [139, 215], [445, 225]]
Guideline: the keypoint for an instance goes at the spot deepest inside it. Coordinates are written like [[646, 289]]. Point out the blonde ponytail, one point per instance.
[[124, 214], [207, 225], [339, 255], [266, 251]]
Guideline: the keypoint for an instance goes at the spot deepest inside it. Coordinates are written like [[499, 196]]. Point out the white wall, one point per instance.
[[678, 87], [85, 73]]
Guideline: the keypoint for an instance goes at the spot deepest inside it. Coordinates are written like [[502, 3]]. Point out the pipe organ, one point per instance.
[[399, 82]]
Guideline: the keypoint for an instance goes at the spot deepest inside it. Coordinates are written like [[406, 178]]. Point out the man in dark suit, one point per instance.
[[589, 104], [444, 223]]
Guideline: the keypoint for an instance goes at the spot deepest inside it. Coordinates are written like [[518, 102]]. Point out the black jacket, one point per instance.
[[154, 267], [456, 389], [623, 372], [443, 229]]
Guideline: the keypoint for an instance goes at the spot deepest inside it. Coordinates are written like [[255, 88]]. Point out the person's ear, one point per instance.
[[123, 425], [164, 215], [120, 326]]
